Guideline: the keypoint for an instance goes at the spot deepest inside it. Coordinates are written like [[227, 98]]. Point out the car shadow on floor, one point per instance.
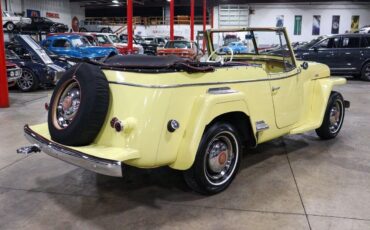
[[150, 188]]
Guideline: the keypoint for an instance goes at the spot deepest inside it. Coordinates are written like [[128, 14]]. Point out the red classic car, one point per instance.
[[112, 40], [184, 49], [13, 73]]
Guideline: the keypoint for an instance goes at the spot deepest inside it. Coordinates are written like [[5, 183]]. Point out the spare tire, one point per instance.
[[79, 105]]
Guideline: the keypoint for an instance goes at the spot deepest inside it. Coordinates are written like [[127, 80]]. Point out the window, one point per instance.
[[178, 44], [79, 42], [102, 39], [233, 15], [350, 42], [365, 42], [328, 43], [61, 43], [114, 38]]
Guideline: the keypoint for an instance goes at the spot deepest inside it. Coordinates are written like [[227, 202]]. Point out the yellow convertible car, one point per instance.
[[197, 117]]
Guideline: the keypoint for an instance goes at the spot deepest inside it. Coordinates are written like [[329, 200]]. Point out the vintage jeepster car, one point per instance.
[[198, 117]]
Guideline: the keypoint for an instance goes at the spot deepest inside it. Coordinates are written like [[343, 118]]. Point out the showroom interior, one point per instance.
[[178, 114]]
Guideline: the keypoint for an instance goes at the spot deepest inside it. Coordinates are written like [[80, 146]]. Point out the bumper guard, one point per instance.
[[95, 164]]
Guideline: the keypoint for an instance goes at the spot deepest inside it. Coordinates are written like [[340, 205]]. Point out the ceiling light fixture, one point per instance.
[[115, 1]]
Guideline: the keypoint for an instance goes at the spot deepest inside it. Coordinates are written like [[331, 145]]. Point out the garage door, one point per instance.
[[233, 16]]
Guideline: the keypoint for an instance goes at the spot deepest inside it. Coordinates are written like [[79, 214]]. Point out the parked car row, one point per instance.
[[35, 24]]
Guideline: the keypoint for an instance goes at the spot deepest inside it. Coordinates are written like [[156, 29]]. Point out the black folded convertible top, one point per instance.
[[145, 63]]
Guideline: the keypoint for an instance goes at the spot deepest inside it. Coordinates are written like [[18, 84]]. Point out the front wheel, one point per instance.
[[365, 74], [217, 160], [10, 26], [28, 82], [333, 119]]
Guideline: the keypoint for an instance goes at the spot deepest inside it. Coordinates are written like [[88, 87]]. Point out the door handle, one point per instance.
[[274, 89]]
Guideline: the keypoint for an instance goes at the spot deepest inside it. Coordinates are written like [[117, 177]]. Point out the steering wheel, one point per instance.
[[220, 57]]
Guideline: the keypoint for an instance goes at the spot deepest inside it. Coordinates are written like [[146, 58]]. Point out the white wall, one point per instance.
[[265, 16], [64, 8]]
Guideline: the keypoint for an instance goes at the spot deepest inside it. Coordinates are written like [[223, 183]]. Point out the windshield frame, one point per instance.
[[211, 49]]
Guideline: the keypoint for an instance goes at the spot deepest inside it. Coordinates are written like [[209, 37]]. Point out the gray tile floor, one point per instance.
[[296, 182]]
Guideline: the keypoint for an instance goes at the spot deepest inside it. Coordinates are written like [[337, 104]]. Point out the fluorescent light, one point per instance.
[[115, 1]]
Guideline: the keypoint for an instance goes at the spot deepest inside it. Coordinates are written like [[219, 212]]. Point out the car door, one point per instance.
[[285, 84], [325, 52], [348, 55]]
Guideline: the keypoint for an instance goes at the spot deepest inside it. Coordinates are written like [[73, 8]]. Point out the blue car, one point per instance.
[[76, 46], [237, 48]]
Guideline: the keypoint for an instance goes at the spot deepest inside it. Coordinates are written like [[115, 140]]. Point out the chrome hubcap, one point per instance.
[[26, 81], [221, 158], [68, 104], [335, 117]]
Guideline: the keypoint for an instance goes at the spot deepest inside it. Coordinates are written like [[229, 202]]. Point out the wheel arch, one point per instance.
[[205, 113]]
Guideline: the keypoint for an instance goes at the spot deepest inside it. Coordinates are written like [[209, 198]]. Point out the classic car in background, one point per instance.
[[94, 26], [92, 40], [112, 40], [345, 54], [41, 24], [236, 47], [198, 117], [38, 68], [12, 22], [13, 73], [158, 41], [365, 30], [149, 49], [76, 46], [184, 49]]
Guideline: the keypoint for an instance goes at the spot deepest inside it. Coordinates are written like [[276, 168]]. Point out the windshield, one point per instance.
[[149, 39], [114, 38], [47, 20], [312, 43], [102, 39], [178, 44], [249, 44], [80, 42], [10, 54]]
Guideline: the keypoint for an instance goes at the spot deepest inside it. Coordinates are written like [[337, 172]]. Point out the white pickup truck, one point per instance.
[[11, 22]]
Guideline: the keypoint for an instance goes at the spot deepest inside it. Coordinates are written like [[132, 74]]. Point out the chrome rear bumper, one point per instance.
[[95, 164]]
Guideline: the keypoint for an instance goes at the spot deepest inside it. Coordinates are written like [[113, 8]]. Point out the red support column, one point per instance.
[[204, 23], [172, 20], [4, 93], [129, 27], [192, 20]]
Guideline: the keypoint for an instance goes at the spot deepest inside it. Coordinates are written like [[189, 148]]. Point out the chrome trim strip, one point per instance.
[[95, 164], [200, 84], [222, 90]]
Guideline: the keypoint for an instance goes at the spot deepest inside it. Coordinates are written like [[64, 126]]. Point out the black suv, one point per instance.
[[46, 25], [345, 54]]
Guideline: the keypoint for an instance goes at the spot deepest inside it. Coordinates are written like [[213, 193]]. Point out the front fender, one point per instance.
[[320, 96], [205, 110]]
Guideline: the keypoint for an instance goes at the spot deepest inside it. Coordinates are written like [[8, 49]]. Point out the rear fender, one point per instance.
[[205, 110]]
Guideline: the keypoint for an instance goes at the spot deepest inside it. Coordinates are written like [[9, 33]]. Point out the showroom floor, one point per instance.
[[297, 182]]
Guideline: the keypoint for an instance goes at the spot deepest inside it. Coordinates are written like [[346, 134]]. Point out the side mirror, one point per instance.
[[304, 65], [315, 49]]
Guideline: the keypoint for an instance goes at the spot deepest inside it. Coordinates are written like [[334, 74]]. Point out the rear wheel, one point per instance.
[[333, 119], [365, 74], [28, 82], [217, 160]]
